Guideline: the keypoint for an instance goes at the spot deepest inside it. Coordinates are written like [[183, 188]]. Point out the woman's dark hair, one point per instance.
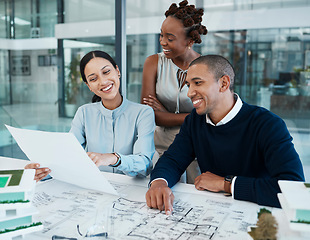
[[89, 56], [191, 17]]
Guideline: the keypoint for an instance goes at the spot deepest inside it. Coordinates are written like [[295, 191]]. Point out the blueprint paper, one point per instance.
[[195, 216], [64, 155], [62, 206]]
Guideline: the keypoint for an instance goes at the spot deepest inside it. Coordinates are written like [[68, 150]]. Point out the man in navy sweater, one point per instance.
[[241, 149]]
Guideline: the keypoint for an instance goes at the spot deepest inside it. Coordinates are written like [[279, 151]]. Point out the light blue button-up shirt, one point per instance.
[[127, 130]]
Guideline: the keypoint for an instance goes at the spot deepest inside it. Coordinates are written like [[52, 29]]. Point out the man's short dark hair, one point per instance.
[[218, 66]]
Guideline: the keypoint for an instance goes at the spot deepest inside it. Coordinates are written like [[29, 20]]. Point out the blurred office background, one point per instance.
[[42, 41]]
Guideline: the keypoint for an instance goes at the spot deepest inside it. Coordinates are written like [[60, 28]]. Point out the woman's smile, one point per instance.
[[107, 88]]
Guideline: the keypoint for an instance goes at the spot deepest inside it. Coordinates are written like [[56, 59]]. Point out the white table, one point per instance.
[[196, 213]]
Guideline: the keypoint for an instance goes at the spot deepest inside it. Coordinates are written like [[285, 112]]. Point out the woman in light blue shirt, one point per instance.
[[117, 134]]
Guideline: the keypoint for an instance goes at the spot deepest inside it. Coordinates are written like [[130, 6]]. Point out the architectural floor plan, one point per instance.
[[195, 216], [185, 222], [188, 221]]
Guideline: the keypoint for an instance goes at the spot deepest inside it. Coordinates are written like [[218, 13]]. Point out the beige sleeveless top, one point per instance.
[[168, 91]]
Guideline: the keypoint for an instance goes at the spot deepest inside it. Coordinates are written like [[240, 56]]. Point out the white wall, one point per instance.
[[40, 86]]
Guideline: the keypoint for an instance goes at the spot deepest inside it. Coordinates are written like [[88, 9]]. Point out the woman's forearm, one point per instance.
[[167, 119]]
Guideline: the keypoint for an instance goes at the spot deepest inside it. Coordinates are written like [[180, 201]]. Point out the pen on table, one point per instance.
[[103, 234], [55, 237]]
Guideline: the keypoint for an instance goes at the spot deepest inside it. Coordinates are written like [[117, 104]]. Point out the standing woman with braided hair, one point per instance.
[[163, 83]]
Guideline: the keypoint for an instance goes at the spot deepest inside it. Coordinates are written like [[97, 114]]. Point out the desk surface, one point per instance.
[[196, 215]]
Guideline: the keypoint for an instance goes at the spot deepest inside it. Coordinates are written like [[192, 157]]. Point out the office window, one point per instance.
[[4, 78], [143, 17], [45, 18], [233, 5], [88, 10], [139, 47], [3, 20], [22, 18], [47, 60]]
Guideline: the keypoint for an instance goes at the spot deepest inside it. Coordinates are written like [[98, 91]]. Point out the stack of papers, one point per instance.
[[16, 193], [295, 201]]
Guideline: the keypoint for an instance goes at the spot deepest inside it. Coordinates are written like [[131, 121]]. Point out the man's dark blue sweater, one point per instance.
[[255, 146]]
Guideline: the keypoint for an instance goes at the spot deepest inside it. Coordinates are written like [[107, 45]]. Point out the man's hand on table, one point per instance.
[[209, 181], [160, 196]]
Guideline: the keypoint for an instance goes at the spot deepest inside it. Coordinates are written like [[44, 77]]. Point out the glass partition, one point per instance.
[[139, 47], [33, 76], [3, 19], [22, 18], [8, 147], [142, 17], [44, 18], [231, 5], [5, 97], [32, 19], [88, 10]]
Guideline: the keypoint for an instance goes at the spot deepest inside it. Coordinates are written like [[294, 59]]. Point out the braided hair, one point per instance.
[[191, 17]]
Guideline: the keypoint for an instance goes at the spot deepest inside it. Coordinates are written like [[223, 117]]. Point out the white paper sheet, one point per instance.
[[64, 155]]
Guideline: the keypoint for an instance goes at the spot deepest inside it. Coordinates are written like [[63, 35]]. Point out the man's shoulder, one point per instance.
[[259, 111], [259, 114]]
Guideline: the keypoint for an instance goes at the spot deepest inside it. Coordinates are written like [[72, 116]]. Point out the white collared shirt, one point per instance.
[[232, 113]]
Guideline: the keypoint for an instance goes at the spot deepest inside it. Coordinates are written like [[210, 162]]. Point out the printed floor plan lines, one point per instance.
[[186, 222], [196, 214]]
